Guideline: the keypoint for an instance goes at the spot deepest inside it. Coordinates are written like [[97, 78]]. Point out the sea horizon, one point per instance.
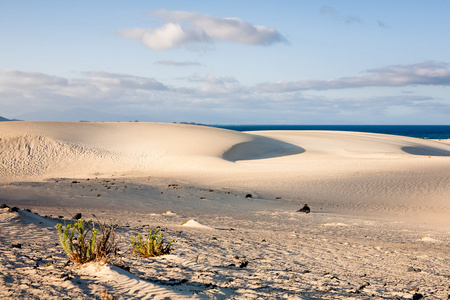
[[418, 131]]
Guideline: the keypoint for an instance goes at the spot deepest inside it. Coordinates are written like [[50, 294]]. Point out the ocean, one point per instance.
[[418, 131]]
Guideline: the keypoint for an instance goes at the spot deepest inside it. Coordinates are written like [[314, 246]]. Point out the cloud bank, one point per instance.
[[426, 73], [222, 99], [188, 29]]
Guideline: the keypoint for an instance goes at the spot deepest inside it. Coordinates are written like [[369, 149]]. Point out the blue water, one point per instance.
[[419, 131]]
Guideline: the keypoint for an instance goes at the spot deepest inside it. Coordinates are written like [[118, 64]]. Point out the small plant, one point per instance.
[[105, 295], [79, 248], [81, 242], [153, 245]]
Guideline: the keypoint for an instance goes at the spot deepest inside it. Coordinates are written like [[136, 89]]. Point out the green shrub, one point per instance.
[[80, 247], [153, 245], [82, 243]]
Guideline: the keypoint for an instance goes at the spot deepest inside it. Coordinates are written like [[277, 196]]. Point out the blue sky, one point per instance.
[[226, 62]]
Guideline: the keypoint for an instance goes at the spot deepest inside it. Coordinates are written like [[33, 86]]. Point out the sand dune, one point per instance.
[[335, 170], [378, 225]]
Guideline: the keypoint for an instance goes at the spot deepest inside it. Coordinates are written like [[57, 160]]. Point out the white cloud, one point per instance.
[[219, 99], [348, 19], [186, 28], [178, 63], [426, 73]]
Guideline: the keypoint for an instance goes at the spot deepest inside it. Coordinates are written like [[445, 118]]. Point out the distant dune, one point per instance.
[[337, 170]]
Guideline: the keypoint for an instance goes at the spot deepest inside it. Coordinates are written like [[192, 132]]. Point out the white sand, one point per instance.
[[380, 204]]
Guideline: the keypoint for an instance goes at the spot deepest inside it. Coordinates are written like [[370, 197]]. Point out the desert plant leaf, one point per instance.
[[80, 242], [153, 245]]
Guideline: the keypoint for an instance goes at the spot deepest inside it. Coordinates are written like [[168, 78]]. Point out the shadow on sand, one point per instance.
[[261, 148], [426, 151]]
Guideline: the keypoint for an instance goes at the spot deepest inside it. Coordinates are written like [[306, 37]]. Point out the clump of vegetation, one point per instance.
[[153, 245], [81, 242]]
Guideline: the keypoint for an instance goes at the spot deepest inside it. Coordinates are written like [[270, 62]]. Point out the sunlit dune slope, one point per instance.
[[336, 170], [34, 150]]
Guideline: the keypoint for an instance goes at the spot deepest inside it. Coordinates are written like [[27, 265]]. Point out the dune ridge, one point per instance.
[[336, 170]]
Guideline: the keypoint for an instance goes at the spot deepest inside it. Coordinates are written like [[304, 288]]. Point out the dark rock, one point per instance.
[[417, 296], [61, 217], [75, 181], [28, 210], [248, 196], [13, 209], [16, 246], [4, 206], [77, 216], [412, 269], [305, 209], [243, 264], [365, 284]]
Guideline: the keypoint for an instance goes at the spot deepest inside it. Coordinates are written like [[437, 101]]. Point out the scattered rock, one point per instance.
[[4, 206], [77, 216], [14, 209], [75, 181], [305, 209], [417, 296], [243, 264], [353, 291], [365, 284], [19, 246], [412, 269], [248, 196]]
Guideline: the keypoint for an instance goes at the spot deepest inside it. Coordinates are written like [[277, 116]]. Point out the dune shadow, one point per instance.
[[261, 148], [426, 151]]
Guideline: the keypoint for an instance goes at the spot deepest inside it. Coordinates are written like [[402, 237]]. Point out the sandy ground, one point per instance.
[[378, 228]]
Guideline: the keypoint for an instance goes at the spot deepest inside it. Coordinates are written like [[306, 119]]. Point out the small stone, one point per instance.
[[305, 209], [77, 216], [248, 196], [4, 206], [412, 269], [365, 284], [14, 209], [19, 246], [417, 296], [243, 264]]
